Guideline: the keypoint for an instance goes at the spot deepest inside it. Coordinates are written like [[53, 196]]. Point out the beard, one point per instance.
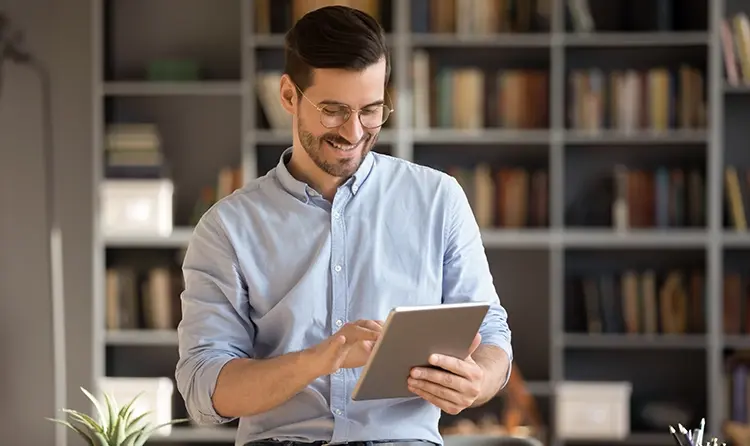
[[341, 167]]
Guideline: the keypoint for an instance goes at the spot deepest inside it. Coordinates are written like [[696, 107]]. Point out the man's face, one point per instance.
[[339, 151]]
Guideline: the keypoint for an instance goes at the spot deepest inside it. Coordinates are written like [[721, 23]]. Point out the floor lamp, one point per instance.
[[12, 51]]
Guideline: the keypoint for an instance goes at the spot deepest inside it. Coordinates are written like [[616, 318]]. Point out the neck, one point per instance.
[[304, 169]]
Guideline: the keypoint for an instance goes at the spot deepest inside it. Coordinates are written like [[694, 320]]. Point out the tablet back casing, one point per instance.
[[410, 336]]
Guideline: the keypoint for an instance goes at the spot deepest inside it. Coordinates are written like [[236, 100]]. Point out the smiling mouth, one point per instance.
[[345, 147]]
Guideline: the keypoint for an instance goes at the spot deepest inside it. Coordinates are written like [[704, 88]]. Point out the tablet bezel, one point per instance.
[[465, 320]]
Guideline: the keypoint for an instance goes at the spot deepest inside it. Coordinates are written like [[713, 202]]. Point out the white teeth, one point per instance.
[[339, 146]]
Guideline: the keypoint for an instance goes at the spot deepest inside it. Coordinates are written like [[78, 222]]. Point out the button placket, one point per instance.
[[338, 305]]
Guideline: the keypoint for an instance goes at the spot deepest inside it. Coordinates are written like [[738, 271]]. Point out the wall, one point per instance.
[[59, 35]]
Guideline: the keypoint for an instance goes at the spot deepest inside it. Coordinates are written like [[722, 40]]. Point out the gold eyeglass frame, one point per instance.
[[352, 111]]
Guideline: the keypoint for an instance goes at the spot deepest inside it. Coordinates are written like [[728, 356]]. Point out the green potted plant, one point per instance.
[[115, 427]]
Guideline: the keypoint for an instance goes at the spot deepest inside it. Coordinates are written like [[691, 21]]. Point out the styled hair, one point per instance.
[[334, 37]]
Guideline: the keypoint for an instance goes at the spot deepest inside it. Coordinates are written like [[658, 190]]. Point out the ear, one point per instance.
[[288, 95]]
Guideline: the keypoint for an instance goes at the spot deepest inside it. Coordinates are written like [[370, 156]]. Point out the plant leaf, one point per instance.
[[80, 431], [112, 415], [142, 438], [84, 419], [126, 411], [102, 416], [132, 437], [133, 425], [101, 439]]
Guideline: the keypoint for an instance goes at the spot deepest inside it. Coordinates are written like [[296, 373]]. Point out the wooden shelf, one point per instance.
[[157, 88]]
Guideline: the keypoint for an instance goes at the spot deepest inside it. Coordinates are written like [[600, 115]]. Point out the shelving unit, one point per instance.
[[218, 122]]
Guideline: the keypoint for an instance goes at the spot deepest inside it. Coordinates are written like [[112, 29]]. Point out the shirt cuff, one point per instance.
[[204, 387]]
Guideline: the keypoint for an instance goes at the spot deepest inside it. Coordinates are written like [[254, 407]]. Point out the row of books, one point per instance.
[[133, 150], [737, 187], [637, 197], [736, 298], [640, 302], [471, 98], [663, 197], [735, 44], [656, 99], [138, 299], [461, 17], [662, 14], [278, 16], [480, 17], [505, 197], [737, 388], [439, 16]]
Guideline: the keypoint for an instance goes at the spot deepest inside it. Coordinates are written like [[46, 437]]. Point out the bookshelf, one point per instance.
[[219, 121]]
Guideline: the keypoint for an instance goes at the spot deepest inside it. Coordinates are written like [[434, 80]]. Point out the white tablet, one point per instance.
[[410, 335]]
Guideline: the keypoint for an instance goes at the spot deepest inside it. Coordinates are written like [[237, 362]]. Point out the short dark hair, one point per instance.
[[334, 37]]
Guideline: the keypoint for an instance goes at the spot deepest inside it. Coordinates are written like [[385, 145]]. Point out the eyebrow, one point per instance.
[[332, 102]]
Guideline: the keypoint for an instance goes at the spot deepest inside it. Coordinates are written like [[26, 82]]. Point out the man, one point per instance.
[[288, 278]]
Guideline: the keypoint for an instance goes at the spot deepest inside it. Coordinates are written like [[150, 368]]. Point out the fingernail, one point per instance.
[[433, 359], [415, 373]]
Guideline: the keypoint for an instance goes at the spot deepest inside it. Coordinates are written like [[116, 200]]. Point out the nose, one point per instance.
[[352, 129]]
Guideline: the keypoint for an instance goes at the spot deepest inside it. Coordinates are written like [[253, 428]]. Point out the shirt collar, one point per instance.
[[303, 191]]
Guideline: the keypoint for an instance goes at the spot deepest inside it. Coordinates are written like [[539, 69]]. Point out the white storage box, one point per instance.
[[137, 207], [593, 410], [155, 397]]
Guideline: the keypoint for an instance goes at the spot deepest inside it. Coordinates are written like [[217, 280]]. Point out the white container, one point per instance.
[[593, 410], [155, 397], [137, 207]]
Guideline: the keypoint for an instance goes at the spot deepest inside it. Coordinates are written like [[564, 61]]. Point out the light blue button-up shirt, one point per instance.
[[275, 268]]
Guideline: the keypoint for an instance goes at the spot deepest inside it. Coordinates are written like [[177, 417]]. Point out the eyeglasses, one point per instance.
[[336, 115]]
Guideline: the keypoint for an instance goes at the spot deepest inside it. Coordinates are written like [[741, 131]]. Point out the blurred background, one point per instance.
[[603, 145]]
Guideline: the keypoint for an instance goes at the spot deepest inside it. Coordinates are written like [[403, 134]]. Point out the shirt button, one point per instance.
[[339, 323], [337, 268], [354, 188], [336, 215], [337, 411]]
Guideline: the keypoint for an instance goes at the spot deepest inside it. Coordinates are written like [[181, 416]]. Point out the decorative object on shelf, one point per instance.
[[142, 207], [520, 411], [520, 417], [133, 150], [115, 426], [593, 410], [694, 437], [12, 49], [174, 70]]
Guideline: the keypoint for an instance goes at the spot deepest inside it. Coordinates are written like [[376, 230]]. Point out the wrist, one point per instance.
[[309, 361], [494, 363]]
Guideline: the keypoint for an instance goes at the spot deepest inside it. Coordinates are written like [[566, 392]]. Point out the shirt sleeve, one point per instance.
[[215, 326], [466, 272]]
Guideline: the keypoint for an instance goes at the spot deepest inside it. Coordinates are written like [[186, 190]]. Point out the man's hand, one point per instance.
[[349, 347], [361, 337], [454, 385]]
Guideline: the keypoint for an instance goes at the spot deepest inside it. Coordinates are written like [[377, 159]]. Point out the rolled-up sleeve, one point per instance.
[[215, 326], [466, 272]]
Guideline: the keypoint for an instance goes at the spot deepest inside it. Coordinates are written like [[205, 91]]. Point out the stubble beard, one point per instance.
[[343, 168]]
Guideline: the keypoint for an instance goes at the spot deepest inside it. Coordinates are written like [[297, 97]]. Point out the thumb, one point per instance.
[[338, 348], [475, 343], [337, 344]]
